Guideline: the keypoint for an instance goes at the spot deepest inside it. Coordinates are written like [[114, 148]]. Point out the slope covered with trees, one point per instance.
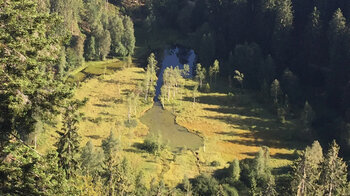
[[292, 56], [302, 44]]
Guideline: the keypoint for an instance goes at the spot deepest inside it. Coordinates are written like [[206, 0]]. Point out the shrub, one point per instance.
[[205, 185], [152, 145], [215, 163], [130, 124]]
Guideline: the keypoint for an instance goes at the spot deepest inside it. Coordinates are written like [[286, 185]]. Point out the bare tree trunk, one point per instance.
[[301, 186]]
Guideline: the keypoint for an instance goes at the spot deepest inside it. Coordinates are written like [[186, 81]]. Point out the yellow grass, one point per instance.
[[232, 128]]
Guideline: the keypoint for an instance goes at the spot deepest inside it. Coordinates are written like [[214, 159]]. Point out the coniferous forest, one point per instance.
[[175, 97]]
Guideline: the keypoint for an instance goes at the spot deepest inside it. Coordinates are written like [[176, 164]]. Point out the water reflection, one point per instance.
[[175, 57]]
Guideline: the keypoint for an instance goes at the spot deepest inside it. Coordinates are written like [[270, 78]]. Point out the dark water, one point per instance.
[[161, 121], [173, 58]]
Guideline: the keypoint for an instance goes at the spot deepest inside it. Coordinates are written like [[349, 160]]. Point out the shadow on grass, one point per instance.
[[285, 156], [102, 105], [210, 100], [244, 111], [137, 79], [107, 114], [95, 137], [134, 150], [262, 132], [114, 69]]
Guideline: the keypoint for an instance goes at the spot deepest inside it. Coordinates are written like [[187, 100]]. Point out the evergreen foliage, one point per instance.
[[68, 143], [30, 91], [200, 74], [150, 81], [334, 173]]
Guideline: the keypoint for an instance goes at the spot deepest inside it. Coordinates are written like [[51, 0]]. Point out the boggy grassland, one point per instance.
[[232, 126]]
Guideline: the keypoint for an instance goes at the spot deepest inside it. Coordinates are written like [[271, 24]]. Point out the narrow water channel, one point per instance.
[[161, 121]]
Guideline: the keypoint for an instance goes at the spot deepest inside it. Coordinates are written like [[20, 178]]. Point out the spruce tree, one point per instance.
[[129, 37], [313, 37], [337, 29], [30, 89], [200, 74], [334, 173], [90, 51], [140, 188], [276, 92], [25, 172], [282, 29], [90, 160], [109, 174], [68, 143], [235, 170], [151, 77], [261, 164], [307, 116], [103, 43], [214, 71], [110, 145], [116, 29], [307, 170]]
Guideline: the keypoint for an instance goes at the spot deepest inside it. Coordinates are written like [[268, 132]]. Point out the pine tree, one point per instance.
[[334, 173], [68, 143]]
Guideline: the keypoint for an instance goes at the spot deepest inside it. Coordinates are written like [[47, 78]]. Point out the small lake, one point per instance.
[[175, 57], [162, 121]]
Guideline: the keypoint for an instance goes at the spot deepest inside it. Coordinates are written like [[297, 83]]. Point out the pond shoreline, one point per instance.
[[161, 121]]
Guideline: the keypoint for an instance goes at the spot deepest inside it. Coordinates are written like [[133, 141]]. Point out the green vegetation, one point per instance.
[[70, 127]]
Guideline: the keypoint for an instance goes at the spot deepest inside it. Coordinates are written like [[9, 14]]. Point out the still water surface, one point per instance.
[[161, 121]]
